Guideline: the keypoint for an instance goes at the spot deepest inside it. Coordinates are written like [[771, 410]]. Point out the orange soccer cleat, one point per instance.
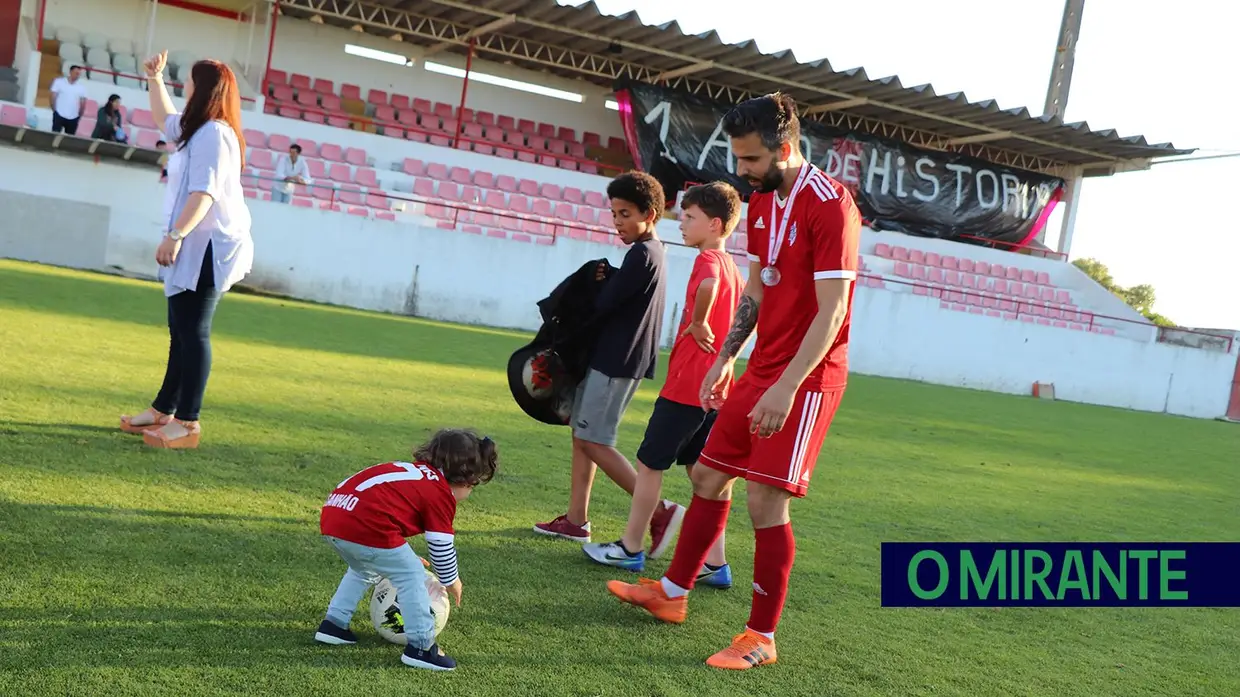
[[748, 650], [648, 595]]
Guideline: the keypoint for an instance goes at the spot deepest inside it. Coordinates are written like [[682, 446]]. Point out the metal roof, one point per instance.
[[584, 43]]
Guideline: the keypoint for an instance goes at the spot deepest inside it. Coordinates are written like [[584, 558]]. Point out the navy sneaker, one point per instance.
[[329, 633], [715, 578], [429, 659], [614, 554]]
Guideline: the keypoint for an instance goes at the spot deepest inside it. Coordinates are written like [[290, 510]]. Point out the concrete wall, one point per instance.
[[72, 211]]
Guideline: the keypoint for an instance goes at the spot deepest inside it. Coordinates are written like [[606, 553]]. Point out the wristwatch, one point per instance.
[[174, 235]]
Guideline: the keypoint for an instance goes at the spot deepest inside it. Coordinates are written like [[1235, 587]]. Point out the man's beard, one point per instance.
[[771, 181]]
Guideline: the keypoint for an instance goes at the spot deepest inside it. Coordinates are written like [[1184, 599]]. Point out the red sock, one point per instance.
[[704, 522], [774, 550]]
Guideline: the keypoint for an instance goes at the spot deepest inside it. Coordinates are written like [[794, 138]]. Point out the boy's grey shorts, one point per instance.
[[599, 406]]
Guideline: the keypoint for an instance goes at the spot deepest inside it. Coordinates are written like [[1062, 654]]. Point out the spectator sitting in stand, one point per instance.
[[290, 170], [110, 123]]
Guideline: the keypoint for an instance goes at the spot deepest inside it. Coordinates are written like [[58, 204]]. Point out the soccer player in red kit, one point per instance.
[[804, 229], [367, 518]]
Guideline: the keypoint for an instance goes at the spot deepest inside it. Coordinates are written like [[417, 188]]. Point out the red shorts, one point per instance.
[[786, 459]]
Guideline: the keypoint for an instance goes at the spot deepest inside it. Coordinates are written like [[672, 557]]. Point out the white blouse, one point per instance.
[[210, 163]]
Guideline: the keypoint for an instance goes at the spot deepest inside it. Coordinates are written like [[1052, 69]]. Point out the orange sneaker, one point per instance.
[[748, 650], [648, 595]]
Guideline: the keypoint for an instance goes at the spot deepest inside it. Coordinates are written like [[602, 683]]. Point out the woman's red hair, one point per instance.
[[216, 98]]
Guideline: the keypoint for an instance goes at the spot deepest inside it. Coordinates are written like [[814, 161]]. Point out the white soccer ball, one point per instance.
[[385, 609]]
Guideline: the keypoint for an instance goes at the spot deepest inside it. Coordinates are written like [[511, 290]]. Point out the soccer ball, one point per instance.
[[385, 609], [537, 376]]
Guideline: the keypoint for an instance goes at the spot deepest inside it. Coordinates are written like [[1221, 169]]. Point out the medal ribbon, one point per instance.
[[775, 243]]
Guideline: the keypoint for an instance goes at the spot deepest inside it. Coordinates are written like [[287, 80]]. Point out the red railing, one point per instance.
[[454, 140], [1031, 308], [1044, 253]]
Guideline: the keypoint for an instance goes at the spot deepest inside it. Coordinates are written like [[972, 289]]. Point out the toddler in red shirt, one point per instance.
[[367, 518]]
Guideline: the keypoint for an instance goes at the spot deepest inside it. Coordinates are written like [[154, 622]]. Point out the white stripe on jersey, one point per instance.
[[809, 417], [821, 186], [824, 275]]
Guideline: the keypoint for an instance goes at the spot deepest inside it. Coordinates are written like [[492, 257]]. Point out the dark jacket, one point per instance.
[[543, 375], [629, 314], [106, 124]]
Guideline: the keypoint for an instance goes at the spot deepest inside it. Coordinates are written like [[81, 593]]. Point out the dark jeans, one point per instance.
[[60, 123], [189, 353]]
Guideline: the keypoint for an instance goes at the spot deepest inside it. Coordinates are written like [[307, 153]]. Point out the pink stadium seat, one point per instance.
[[340, 173], [449, 191], [981, 268], [1062, 297], [596, 199], [936, 275], [590, 138], [424, 188], [546, 130], [262, 159], [903, 270], [1044, 278], [299, 81], [253, 138], [1028, 276], [999, 285], [142, 119], [1046, 294], [385, 215], [1012, 274], [289, 112], [385, 114], [147, 139], [307, 98], [948, 263], [495, 200], [351, 197], [378, 200], [460, 175], [550, 191], [400, 101], [997, 270], [318, 169], [486, 180], [309, 148], [332, 152], [951, 278], [414, 167], [416, 136], [565, 211], [423, 105], [505, 182], [586, 216], [436, 170], [528, 187], [573, 195], [356, 156], [360, 212], [968, 280], [348, 91], [916, 256], [919, 272], [526, 156], [542, 207], [965, 265], [567, 164], [527, 126], [277, 77], [518, 203], [377, 97], [365, 176], [303, 202]]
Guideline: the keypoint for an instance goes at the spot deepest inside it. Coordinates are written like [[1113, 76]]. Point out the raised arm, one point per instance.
[[743, 324], [161, 103]]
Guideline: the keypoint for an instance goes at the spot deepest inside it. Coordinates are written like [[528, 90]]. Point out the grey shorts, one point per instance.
[[599, 406]]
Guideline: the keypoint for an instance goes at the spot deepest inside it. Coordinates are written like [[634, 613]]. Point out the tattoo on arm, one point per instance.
[[742, 326]]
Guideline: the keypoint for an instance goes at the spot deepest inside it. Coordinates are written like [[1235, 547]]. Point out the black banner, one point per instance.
[[897, 186]]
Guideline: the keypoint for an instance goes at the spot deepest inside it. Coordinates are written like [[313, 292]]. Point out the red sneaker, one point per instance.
[[664, 525], [560, 527]]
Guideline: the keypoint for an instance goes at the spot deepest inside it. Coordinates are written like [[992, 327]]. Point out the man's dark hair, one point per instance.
[[641, 190], [463, 456], [160, 143], [296, 147], [773, 117], [716, 200], [75, 67]]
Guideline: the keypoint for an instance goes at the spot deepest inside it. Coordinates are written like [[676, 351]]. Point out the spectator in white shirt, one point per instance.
[[290, 170], [68, 101]]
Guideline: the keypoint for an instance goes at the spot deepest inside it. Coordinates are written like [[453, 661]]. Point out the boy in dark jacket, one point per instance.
[[629, 317]]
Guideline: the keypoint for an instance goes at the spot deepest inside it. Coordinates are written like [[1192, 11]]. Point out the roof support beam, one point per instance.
[[687, 70], [841, 104], [979, 138], [483, 30], [458, 4]]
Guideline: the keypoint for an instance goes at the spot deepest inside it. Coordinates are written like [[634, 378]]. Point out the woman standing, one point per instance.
[[206, 246]]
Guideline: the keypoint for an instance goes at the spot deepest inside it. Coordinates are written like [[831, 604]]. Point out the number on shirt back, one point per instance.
[[408, 472]]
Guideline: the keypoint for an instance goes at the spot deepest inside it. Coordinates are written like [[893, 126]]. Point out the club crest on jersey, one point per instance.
[[792, 235], [759, 225]]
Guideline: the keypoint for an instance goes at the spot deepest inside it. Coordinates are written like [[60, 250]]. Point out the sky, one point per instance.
[[1165, 71]]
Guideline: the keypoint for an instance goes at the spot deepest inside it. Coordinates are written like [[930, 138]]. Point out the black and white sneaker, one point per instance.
[[329, 633], [429, 659]]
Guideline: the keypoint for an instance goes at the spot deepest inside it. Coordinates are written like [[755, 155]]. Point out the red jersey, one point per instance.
[[688, 364], [821, 239], [382, 505]]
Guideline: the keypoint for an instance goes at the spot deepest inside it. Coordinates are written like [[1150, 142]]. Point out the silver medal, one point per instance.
[[770, 275]]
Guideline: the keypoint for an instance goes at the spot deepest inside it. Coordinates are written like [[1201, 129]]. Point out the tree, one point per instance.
[[1139, 297]]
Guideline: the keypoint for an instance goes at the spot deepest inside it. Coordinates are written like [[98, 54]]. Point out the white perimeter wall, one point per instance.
[[71, 211]]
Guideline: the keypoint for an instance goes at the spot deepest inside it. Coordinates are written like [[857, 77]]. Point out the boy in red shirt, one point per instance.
[[369, 515], [680, 422]]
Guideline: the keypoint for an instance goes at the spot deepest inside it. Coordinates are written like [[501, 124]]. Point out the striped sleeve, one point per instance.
[[442, 550], [835, 229]]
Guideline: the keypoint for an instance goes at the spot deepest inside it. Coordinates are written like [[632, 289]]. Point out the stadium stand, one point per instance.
[[393, 151]]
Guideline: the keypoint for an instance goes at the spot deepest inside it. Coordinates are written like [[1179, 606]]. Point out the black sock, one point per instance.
[[620, 543], [712, 567]]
